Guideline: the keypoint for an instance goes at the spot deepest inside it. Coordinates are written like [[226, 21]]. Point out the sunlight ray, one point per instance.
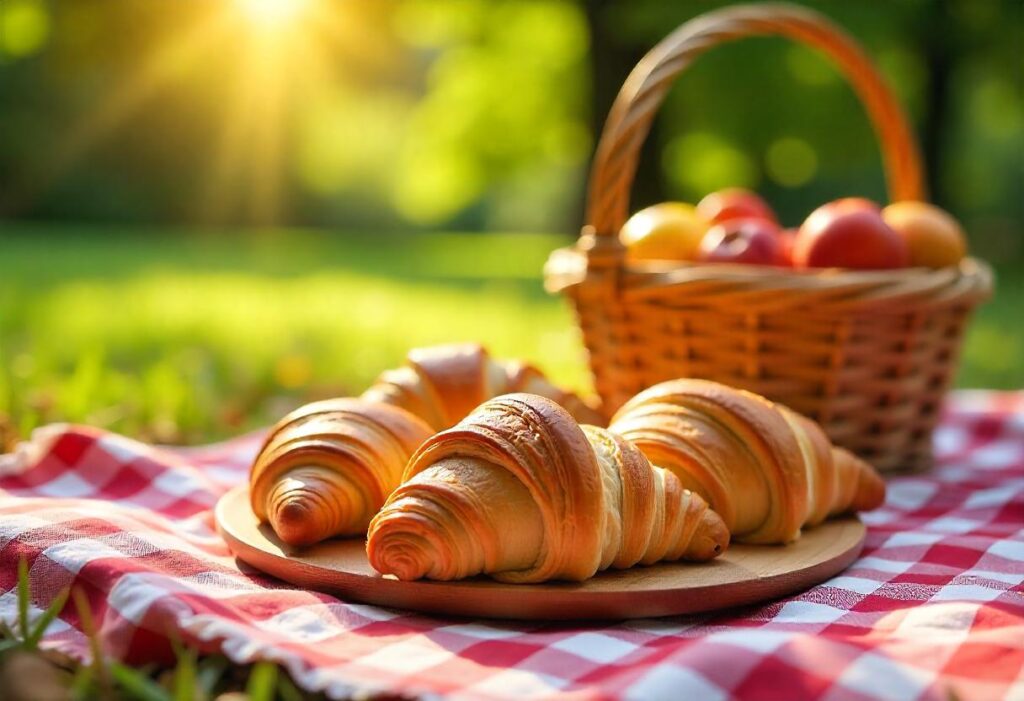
[[249, 115], [278, 73], [111, 111], [250, 150], [281, 54]]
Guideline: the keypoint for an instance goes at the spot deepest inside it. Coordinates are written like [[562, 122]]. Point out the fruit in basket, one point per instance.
[[934, 238], [849, 233], [665, 231], [734, 203], [787, 238], [751, 241]]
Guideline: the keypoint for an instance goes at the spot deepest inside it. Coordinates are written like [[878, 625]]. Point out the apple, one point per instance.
[[734, 203], [855, 202], [787, 237], [849, 233], [934, 238], [665, 231], [752, 241]]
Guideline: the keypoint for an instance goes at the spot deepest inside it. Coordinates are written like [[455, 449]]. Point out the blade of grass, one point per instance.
[[88, 626], [137, 685], [262, 682], [289, 692], [210, 672], [44, 621], [82, 684], [184, 671]]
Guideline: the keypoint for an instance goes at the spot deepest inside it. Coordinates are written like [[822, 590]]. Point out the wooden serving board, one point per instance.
[[744, 575]]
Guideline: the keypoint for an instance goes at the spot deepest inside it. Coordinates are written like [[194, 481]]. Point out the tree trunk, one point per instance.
[[938, 49]]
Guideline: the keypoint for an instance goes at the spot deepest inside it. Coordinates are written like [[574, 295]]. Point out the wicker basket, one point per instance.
[[868, 354]]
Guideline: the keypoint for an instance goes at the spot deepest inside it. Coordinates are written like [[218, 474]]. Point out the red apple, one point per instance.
[[752, 241], [855, 202], [787, 237], [849, 233], [734, 203]]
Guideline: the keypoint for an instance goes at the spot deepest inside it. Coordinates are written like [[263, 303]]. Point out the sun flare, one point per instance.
[[272, 13], [280, 57]]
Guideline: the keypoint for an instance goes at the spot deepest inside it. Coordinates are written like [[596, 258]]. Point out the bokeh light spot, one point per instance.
[[345, 140], [420, 24], [791, 161], [975, 13], [997, 107], [293, 371], [566, 143], [23, 365], [24, 27], [906, 71], [702, 162], [809, 66], [549, 33], [433, 184]]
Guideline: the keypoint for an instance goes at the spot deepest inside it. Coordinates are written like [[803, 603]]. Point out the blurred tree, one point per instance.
[[476, 114]]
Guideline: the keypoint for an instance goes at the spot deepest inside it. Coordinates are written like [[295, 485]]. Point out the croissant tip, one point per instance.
[[401, 554], [870, 490], [711, 538], [295, 523]]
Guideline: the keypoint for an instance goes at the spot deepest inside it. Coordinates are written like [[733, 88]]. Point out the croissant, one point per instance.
[[519, 491], [765, 469], [442, 384], [326, 468]]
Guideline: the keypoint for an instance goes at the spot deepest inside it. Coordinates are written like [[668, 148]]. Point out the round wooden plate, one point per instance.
[[745, 574]]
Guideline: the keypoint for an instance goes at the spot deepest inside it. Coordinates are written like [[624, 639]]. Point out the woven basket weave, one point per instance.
[[869, 354]]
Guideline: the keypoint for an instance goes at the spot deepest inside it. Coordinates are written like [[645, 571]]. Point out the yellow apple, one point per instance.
[[666, 231], [934, 237]]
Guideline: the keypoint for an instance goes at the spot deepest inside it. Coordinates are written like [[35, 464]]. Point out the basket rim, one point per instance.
[[971, 280]]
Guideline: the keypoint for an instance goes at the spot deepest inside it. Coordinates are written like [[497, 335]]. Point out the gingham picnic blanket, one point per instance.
[[933, 609]]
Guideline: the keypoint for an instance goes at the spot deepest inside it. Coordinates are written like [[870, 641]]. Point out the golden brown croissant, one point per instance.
[[520, 491], [326, 468], [765, 469], [442, 384]]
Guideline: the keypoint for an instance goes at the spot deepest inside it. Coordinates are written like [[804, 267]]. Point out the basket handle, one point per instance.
[[629, 121]]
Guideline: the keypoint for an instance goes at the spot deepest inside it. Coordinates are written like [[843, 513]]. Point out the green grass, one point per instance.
[[185, 337], [29, 672], [181, 337]]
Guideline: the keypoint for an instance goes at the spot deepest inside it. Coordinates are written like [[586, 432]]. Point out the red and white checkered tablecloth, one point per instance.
[[934, 608]]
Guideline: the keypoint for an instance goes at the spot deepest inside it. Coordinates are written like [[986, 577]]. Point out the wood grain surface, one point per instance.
[[744, 575]]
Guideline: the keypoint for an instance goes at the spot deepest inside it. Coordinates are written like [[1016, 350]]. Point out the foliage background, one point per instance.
[[209, 214]]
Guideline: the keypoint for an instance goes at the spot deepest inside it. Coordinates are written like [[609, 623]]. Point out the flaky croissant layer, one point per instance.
[[519, 491], [765, 469], [442, 384], [326, 468]]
